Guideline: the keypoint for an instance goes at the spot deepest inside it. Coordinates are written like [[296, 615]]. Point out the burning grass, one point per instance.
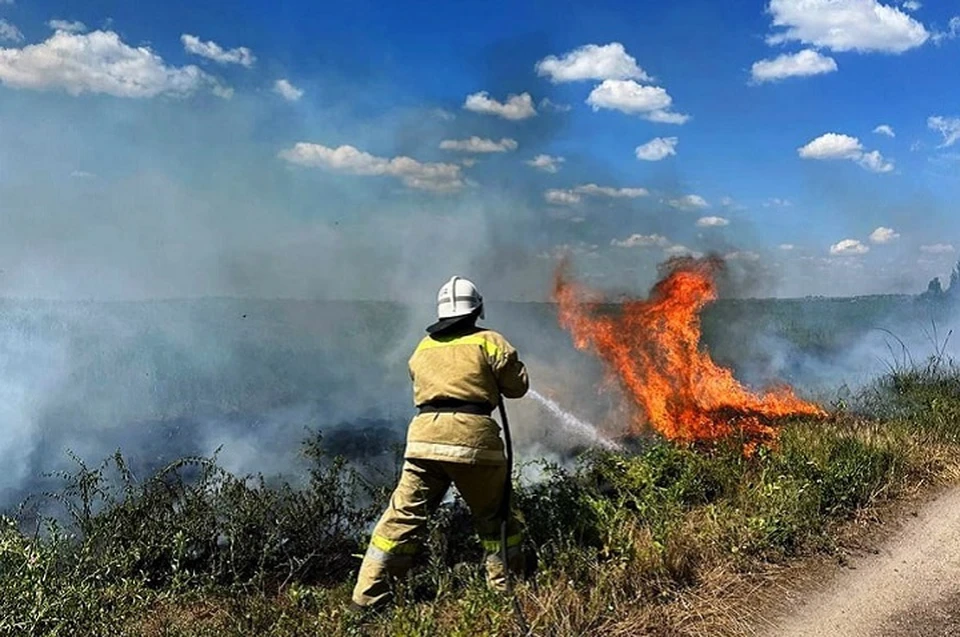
[[652, 349], [655, 541]]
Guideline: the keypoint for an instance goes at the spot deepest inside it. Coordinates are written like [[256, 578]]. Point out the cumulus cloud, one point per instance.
[[884, 235], [884, 129], [912, 5], [575, 196], [949, 127], [516, 107], [650, 102], [848, 248], [97, 62], [479, 145], [67, 25], [9, 32], [787, 246], [831, 146], [546, 163], [642, 241], [657, 149], [689, 202], [287, 91], [592, 62], [213, 51], [802, 64], [776, 202], [846, 25], [712, 222], [434, 177], [937, 248]]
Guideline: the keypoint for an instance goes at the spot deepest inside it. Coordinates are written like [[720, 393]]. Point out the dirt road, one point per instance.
[[909, 588]]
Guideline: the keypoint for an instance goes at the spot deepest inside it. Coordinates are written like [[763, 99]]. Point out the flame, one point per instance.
[[652, 348]]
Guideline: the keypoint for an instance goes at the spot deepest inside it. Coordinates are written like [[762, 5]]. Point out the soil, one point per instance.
[[903, 579]]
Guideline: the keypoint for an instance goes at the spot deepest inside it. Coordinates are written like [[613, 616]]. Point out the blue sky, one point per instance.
[[366, 149]]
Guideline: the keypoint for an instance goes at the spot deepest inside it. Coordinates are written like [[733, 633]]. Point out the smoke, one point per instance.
[[171, 286]]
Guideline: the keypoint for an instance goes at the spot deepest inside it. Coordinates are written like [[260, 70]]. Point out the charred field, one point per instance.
[[230, 492]]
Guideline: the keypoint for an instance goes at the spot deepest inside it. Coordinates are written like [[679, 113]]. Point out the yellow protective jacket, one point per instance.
[[476, 366]]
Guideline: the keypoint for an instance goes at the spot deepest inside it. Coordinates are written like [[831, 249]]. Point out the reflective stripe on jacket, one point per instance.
[[477, 367]]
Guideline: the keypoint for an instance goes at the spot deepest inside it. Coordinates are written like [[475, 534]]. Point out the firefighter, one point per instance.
[[460, 372]]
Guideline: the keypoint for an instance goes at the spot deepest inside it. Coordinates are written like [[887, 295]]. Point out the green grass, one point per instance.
[[625, 540]]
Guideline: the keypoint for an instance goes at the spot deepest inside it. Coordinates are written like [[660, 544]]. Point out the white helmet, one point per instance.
[[458, 297]]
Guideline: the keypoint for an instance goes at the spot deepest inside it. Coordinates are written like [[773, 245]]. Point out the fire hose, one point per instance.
[[505, 510]]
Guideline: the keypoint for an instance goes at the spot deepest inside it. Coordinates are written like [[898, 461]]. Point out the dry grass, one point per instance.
[[665, 541]]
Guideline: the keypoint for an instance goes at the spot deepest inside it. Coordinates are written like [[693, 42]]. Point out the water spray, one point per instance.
[[581, 427]]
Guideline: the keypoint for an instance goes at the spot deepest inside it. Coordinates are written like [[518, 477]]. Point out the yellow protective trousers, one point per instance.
[[400, 531]]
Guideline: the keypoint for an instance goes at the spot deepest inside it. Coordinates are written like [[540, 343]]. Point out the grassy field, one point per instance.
[[627, 542]]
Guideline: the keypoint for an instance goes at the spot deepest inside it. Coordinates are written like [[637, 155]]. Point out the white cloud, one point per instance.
[[832, 146], [213, 51], [575, 196], [9, 32], [657, 149], [681, 251], [82, 174], [949, 127], [801, 64], [443, 114], [741, 255], [875, 162], [776, 202], [546, 163], [592, 62], [626, 96], [952, 32], [97, 62], [836, 146], [642, 241], [730, 202], [67, 25], [689, 202], [287, 91], [849, 247], [787, 246], [712, 222], [912, 5], [226, 92], [479, 145], [937, 248], [515, 108], [606, 191], [347, 159], [546, 104], [846, 25], [884, 129], [562, 197], [884, 235]]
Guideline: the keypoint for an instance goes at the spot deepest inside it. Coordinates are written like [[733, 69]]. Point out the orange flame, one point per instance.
[[652, 347]]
